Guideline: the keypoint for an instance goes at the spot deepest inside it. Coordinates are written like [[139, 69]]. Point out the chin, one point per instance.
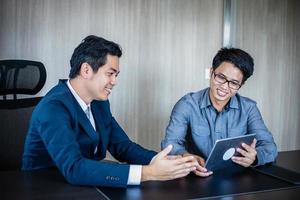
[[220, 98], [102, 98]]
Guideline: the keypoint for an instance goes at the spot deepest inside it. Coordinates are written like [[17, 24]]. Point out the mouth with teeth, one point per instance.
[[221, 93], [108, 90]]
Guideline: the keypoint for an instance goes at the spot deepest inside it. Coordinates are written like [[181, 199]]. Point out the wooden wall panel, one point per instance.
[[270, 31], [167, 45]]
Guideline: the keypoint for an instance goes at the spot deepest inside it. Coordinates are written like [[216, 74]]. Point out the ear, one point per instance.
[[210, 71], [86, 70]]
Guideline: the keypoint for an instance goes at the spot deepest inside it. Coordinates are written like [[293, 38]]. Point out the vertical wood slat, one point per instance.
[[270, 31], [167, 46]]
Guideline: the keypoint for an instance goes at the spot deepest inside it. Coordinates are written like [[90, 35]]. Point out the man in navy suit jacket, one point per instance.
[[72, 128]]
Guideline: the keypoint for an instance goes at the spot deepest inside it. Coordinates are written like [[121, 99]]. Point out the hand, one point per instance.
[[200, 170], [164, 167], [248, 154]]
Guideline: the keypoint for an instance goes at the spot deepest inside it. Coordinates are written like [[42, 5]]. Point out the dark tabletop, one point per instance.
[[225, 185], [48, 184]]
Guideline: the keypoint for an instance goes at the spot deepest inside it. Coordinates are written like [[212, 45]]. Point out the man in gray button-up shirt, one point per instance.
[[199, 119]]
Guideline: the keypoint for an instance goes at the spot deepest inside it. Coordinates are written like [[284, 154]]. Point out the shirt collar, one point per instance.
[[77, 97], [205, 100], [233, 102]]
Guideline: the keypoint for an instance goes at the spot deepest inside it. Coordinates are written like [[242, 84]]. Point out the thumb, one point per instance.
[[254, 143], [165, 151]]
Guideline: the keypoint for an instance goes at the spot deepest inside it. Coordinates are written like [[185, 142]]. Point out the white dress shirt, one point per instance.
[[135, 171]]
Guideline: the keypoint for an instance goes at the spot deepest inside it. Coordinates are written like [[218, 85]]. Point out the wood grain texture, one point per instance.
[[270, 31], [167, 45]]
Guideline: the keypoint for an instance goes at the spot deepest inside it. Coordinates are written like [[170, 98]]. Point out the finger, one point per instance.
[[188, 165], [180, 175], [201, 169], [165, 151], [173, 157], [249, 159], [253, 145], [248, 148], [203, 174], [242, 152], [201, 161], [242, 161], [184, 170], [185, 159], [250, 154]]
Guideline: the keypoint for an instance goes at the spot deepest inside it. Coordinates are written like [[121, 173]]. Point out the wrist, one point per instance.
[[146, 173]]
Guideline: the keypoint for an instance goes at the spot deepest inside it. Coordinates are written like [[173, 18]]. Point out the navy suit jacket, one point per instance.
[[61, 135]]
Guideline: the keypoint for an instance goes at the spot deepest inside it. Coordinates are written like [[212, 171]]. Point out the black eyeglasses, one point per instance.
[[220, 78]]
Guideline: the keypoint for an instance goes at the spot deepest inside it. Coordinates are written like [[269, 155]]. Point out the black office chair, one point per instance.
[[17, 77]]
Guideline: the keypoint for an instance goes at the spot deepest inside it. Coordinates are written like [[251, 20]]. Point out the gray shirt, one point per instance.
[[195, 125]]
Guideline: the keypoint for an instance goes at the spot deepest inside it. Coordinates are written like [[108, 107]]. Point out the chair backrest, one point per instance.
[[17, 77]]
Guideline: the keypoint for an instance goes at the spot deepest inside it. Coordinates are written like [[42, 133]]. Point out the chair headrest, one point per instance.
[[21, 77]]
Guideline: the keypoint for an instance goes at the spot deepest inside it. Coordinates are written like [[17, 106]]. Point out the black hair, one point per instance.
[[92, 50], [238, 58]]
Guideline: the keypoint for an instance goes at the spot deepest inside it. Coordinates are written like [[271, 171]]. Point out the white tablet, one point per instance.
[[224, 149]]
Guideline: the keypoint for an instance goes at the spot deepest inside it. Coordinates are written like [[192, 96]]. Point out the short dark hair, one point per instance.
[[238, 57], [92, 50]]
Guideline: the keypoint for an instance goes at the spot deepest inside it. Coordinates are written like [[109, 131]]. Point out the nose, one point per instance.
[[113, 80], [225, 85]]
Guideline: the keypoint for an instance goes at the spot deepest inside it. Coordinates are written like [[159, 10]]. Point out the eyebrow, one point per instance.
[[233, 80], [116, 71], [113, 69]]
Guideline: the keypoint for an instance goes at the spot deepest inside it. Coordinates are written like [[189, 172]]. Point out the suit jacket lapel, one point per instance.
[[82, 118], [86, 124], [100, 127]]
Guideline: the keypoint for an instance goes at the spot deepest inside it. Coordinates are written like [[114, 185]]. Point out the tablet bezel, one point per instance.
[[236, 142]]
